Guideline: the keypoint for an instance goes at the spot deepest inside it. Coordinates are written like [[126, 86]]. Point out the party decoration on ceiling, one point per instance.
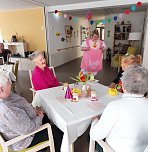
[[103, 21], [75, 19], [65, 15], [127, 12], [98, 22], [70, 17], [139, 4], [58, 34], [89, 15], [120, 15], [109, 20], [91, 22], [133, 8], [115, 18], [62, 39], [56, 11]]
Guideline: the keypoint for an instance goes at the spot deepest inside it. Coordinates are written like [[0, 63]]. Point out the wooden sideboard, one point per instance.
[[17, 47]]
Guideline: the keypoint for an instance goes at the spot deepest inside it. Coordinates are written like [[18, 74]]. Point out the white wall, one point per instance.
[[57, 24], [136, 19], [145, 44]]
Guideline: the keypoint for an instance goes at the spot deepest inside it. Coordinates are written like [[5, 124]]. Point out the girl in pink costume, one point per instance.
[[92, 58]]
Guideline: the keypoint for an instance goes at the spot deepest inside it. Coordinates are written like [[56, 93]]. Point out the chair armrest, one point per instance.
[[33, 90], [105, 146], [14, 140]]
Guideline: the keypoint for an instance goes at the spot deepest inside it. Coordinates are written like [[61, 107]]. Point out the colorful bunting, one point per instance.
[[120, 15], [91, 22], [133, 8], [89, 15], [103, 21], [127, 12], [139, 4], [115, 18], [65, 15], [70, 17], [98, 22], [75, 19], [109, 20], [56, 11]]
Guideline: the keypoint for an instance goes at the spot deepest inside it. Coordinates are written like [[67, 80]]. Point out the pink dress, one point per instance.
[[92, 59], [43, 79]]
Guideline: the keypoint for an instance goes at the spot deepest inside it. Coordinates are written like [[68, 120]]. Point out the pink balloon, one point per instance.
[[120, 15], [65, 15]]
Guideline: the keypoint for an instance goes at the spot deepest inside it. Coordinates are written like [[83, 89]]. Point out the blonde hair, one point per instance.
[[132, 59]]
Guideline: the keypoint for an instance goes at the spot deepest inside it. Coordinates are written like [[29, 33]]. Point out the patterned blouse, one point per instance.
[[17, 117]]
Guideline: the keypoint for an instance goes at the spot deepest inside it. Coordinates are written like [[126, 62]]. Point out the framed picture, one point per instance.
[[68, 32]]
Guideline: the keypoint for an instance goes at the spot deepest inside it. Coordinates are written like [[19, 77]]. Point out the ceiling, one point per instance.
[[6, 5]]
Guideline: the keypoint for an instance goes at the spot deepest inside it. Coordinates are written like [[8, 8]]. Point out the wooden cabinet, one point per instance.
[[121, 34], [17, 47]]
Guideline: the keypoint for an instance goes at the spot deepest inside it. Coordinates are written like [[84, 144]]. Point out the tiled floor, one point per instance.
[[63, 73]]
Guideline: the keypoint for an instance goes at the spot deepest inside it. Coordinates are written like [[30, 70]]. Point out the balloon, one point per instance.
[[75, 19], [127, 12], [91, 22], [121, 15], [103, 21], [70, 17], [56, 11], [98, 21], [115, 18], [88, 15], [139, 4], [109, 20], [65, 15], [133, 8]]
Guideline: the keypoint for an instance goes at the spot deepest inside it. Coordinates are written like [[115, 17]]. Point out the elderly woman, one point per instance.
[[18, 117], [42, 77], [124, 122]]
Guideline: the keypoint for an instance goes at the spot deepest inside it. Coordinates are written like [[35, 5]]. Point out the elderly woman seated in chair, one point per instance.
[[124, 122], [18, 117], [42, 77]]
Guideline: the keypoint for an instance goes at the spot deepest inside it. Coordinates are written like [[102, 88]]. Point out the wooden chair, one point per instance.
[[1, 60], [15, 71], [104, 145], [30, 75], [49, 143]]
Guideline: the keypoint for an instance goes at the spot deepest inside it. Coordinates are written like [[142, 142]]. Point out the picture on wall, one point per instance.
[[68, 32]]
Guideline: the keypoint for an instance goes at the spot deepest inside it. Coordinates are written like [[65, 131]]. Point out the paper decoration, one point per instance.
[[56, 11], [65, 15], [62, 39], [75, 19], [103, 21], [58, 34], [133, 8], [127, 12], [70, 17], [109, 20], [91, 22], [89, 15], [115, 18], [68, 94], [139, 4]]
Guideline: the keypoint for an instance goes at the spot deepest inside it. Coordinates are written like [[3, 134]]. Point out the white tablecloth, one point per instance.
[[73, 118], [7, 69]]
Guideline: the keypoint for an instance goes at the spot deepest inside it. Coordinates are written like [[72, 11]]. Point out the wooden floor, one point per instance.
[[63, 72]]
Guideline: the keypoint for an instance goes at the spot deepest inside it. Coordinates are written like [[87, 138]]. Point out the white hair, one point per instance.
[[34, 55], [3, 79], [135, 80]]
